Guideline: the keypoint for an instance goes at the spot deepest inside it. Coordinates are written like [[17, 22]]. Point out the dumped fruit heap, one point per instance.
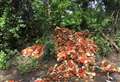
[[35, 51], [76, 57], [76, 54]]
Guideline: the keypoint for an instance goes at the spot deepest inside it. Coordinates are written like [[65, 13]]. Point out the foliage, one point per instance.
[[28, 59], [10, 25], [26, 64], [67, 12], [4, 60], [96, 20], [23, 22], [104, 45], [117, 39], [70, 14], [49, 50]]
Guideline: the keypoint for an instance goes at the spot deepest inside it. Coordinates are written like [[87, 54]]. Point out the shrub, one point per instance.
[[4, 60], [117, 39], [104, 45], [49, 46], [71, 14], [26, 64], [25, 22]]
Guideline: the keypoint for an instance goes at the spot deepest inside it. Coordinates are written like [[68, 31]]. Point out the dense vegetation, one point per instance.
[[27, 22]]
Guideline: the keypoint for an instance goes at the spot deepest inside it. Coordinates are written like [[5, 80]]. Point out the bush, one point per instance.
[[70, 14], [49, 46], [117, 39], [24, 25], [104, 45], [26, 64], [4, 60]]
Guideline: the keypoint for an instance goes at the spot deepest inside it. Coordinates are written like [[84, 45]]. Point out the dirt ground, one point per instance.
[[13, 73]]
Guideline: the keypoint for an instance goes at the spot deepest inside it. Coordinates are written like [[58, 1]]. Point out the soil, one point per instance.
[[13, 73]]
